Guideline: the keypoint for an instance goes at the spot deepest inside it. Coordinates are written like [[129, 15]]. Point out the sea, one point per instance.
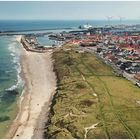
[[11, 83]]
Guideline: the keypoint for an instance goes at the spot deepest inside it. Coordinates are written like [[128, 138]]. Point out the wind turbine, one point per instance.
[[109, 19], [121, 18]]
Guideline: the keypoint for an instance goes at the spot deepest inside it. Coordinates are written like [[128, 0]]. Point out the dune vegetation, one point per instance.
[[91, 101]]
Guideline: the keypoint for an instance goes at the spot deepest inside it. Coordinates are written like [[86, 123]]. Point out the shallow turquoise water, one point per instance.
[[10, 81]]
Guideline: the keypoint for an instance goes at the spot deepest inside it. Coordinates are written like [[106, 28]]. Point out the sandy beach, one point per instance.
[[34, 104]]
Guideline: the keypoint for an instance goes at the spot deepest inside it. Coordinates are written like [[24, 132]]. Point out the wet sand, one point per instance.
[[34, 104]]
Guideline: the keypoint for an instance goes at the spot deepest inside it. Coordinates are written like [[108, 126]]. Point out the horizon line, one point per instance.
[[72, 19]]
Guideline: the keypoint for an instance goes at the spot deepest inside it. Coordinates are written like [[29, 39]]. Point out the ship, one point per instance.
[[85, 26]]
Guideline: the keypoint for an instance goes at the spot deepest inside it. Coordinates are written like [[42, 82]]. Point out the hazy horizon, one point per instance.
[[66, 20], [69, 10]]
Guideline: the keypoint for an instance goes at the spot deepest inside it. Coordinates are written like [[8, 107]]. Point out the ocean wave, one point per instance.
[[14, 49], [8, 71]]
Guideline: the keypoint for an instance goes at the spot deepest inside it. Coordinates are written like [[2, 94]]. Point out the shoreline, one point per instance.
[[30, 103]]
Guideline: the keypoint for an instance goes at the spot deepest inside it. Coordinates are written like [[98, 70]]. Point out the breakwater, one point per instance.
[[31, 44]]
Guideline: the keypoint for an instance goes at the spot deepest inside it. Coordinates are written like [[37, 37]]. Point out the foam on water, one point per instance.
[[14, 48]]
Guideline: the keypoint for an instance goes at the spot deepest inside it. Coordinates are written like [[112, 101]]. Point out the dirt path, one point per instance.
[[87, 129]]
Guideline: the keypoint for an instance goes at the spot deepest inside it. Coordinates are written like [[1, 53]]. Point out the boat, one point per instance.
[[85, 26]]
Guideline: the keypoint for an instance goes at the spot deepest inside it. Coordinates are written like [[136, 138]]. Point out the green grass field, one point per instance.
[[75, 106]]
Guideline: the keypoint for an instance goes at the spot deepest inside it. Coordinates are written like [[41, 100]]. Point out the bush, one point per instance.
[[4, 118], [87, 103], [80, 85], [68, 61]]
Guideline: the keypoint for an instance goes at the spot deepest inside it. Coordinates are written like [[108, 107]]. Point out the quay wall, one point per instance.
[[28, 46]]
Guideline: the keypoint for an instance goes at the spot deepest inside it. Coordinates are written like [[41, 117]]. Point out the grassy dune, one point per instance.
[[75, 107]]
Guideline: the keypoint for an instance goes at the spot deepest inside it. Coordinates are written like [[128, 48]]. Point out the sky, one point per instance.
[[67, 10]]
